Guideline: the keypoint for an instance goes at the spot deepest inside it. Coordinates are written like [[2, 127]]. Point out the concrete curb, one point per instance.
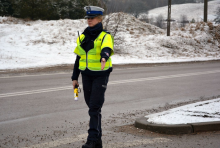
[[174, 129]]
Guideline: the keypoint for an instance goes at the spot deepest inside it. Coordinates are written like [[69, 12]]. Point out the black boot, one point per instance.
[[93, 144], [99, 143]]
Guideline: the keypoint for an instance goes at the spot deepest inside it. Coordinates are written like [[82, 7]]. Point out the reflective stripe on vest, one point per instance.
[[91, 60]]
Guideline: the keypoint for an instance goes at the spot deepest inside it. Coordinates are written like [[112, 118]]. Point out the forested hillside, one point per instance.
[[45, 9], [139, 6], [73, 9]]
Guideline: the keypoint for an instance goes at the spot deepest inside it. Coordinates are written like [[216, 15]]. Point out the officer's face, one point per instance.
[[93, 21]]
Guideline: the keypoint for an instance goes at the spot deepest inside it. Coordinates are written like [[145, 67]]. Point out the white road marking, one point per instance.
[[7, 77], [129, 68], [62, 73], [110, 83], [59, 142], [35, 91], [163, 77]]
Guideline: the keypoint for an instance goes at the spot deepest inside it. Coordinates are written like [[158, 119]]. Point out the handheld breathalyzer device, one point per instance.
[[76, 92]]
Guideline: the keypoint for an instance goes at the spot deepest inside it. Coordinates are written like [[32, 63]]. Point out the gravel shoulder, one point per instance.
[[118, 132]]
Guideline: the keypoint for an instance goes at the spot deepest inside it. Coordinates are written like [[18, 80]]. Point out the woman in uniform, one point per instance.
[[94, 50]]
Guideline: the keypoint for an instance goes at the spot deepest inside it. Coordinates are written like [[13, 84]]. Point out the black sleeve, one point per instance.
[[106, 52], [76, 70]]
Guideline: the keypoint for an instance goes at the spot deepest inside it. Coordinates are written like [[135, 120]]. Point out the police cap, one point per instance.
[[93, 11]]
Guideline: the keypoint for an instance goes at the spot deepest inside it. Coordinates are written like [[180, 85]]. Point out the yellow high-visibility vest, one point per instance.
[[91, 59]]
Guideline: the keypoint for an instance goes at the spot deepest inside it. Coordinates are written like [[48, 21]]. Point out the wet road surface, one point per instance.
[[38, 110]]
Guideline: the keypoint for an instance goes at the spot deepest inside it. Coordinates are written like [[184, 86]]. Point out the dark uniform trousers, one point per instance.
[[94, 88]]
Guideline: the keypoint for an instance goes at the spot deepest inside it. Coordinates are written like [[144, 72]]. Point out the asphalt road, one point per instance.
[[38, 110]]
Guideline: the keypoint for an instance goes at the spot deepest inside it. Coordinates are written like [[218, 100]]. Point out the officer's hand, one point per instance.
[[75, 82], [103, 63]]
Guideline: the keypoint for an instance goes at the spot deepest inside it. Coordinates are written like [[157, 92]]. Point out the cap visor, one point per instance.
[[90, 16]]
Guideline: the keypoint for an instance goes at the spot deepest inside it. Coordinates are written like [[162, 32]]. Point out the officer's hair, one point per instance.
[[100, 17]]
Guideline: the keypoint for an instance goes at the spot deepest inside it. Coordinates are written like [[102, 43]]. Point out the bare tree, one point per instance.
[[113, 22], [217, 19], [145, 17], [215, 32], [159, 21], [183, 20], [116, 6], [151, 20], [136, 8], [102, 3], [106, 19]]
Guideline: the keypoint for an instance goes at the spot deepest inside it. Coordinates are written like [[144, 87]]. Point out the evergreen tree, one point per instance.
[[183, 1], [62, 9], [52, 11], [193, 20], [71, 6], [217, 19], [35, 9], [79, 8], [46, 9], [5, 8], [137, 8], [26, 8], [159, 21]]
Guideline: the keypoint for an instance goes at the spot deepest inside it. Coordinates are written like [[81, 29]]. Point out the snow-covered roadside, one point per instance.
[[46, 43], [139, 42], [37, 43], [191, 10], [205, 111], [118, 59]]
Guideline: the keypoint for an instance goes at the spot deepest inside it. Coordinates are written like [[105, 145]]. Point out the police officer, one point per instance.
[[94, 50]]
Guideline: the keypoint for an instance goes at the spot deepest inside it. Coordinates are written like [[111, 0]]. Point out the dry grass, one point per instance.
[[12, 20], [210, 25], [9, 20], [27, 19], [210, 41], [132, 32], [183, 29], [197, 41], [137, 36], [202, 29], [198, 26]]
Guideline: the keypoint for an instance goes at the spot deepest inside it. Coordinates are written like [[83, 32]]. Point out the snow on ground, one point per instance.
[[37, 43], [191, 10], [205, 111], [138, 42], [25, 44]]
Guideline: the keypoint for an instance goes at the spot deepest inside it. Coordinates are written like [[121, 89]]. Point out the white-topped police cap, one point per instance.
[[93, 11]]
